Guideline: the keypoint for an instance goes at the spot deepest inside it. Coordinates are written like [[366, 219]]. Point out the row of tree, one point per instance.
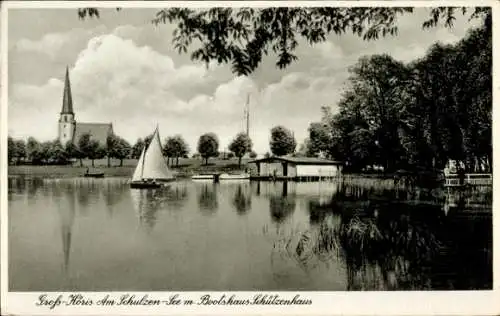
[[415, 116], [175, 147], [53, 152]]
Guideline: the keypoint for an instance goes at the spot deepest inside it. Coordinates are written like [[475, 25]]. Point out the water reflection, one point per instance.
[[242, 201], [281, 205], [389, 242], [207, 198], [87, 194], [147, 203], [328, 236], [67, 217], [176, 196]]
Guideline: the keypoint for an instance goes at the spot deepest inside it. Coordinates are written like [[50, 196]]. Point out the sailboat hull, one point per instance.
[[145, 185]]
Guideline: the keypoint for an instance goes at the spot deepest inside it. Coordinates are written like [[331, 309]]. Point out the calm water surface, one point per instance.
[[97, 235]]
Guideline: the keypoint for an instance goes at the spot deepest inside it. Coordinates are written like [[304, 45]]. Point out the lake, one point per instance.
[[99, 235]]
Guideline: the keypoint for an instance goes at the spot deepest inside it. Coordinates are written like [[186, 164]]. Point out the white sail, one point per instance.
[[137, 176], [155, 166]]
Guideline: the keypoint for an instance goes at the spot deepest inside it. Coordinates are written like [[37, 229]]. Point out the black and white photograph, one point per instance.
[[211, 148]]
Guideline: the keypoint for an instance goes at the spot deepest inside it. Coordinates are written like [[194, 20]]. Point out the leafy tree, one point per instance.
[[56, 153], [117, 147], [111, 143], [95, 151], [20, 147], [240, 145], [175, 147], [121, 150], [147, 140], [253, 154], [33, 149], [139, 145], [72, 151], [137, 148], [376, 81], [84, 146], [319, 139], [304, 148], [420, 115], [208, 146], [282, 141], [267, 155], [168, 150], [230, 155], [11, 149], [243, 36]]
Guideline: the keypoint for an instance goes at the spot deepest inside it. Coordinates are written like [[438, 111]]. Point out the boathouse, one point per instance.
[[297, 168]]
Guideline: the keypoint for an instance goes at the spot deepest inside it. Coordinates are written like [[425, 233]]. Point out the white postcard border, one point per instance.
[[355, 303]]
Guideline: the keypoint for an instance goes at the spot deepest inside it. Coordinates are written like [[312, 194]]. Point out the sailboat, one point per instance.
[[152, 170]]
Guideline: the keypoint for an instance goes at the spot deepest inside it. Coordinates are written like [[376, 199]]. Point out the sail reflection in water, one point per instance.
[[81, 234], [147, 203]]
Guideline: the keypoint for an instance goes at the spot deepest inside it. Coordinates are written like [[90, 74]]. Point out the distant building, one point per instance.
[[70, 130], [297, 167]]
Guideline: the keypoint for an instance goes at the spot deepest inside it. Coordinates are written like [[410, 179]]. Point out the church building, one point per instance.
[[70, 130]]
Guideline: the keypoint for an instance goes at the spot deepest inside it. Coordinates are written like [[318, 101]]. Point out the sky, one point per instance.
[[125, 71]]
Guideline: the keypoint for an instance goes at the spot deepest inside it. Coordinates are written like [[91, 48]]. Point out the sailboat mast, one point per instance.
[[143, 159]]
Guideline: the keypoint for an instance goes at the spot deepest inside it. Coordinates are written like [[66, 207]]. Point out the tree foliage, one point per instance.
[[53, 152], [16, 150], [91, 148], [95, 151], [11, 149], [72, 151], [175, 147], [319, 139], [35, 152], [208, 146], [282, 141], [240, 145], [117, 147], [418, 115], [243, 36], [137, 149]]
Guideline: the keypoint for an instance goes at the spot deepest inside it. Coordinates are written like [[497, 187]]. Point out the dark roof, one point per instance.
[[300, 160], [97, 131], [67, 106]]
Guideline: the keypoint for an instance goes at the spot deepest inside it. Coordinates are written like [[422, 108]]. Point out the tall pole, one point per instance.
[[248, 114]]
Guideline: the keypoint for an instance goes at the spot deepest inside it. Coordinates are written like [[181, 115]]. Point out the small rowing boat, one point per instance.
[[94, 175], [88, 174]]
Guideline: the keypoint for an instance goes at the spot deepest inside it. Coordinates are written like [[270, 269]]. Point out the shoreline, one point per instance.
[[184, 170]]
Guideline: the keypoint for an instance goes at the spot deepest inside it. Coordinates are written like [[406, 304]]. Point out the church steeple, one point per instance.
[[67, 123], [67, 107]]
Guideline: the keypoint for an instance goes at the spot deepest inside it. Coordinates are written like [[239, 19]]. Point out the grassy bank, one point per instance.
[[186, 167]]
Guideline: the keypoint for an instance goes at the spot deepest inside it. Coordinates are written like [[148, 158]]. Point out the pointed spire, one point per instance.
[[67, 98]]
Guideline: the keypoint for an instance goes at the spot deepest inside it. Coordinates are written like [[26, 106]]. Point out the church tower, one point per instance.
[[67, 121]]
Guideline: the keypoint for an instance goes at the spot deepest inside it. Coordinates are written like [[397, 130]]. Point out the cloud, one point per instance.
[[31, 108], [136, 87], [55, 44]]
